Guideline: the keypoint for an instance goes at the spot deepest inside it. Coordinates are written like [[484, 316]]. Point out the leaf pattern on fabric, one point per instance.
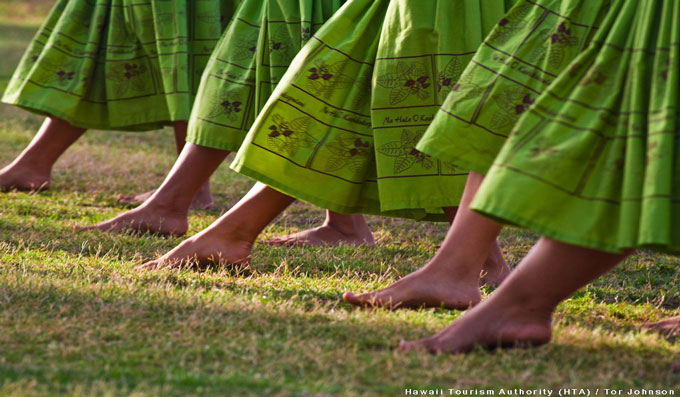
[[596, 75], [363, 96], [246, 48], [466, 88], [128, 76], [405, 153], [555, 45], [449, 76], [513, 102], [227, 105], [290, 136], [348, 151], [323, 79], [511, 25], [61, 74], [409, 79], [280, 46], [305, 33]]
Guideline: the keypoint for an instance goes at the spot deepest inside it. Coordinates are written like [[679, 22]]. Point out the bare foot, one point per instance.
[[495, 269], [324, 235], [204, 249], [668, 327], [17, 178], [423, 288], [203, 199], [146, 219], [489, 327]]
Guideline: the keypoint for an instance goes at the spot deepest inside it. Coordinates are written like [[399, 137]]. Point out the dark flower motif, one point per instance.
[[290, 136], [512, 24], [405, 152], [246, 48], [305, 34], [281, 46], [128, 76], [464, 89], [63, 76], [449, 76], [409, 79], [226, 105], [512, 102], [322, 72], [527, 101], [323, 79], [348, 152], [556, 44]]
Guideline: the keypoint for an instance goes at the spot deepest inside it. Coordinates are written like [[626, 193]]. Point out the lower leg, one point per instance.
[[31, 170], [495, 268], [520, 311], [167, 209], [229, 240], [337, 229], [202, 197], [451, 279]]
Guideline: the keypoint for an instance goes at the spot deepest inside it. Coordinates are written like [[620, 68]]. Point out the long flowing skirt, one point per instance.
[[340, 130], [250, 60], [527, 50], [119, 64], [595, 161]]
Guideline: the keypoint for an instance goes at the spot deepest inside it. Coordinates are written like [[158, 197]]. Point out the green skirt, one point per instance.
[[596, 161], [119, 64], [340, 130], [532, 45], [250, 60]]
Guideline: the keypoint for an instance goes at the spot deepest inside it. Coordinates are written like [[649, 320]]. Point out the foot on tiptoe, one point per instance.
[[204, 249], [668, 327], [23, 179], [487, 327], [423, 288], [145, 219], [203, 199], [324, 235]]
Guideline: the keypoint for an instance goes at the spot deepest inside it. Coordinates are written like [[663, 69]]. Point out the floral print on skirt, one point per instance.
[[119, 64]]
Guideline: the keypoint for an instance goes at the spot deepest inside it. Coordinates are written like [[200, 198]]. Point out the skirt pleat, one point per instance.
[[528, 48], [340, 129], [251, 58], [595, 162], [119, 64]]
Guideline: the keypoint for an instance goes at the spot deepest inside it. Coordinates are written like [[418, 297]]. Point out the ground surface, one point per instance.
[[77, 319]]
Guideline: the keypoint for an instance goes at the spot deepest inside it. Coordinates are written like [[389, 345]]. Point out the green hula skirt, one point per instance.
[[119, 64], [526, 51], [250, 60], [341, 128], [596, 161]]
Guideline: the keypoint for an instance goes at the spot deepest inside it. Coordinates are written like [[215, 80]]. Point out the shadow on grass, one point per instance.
[[77, 335]]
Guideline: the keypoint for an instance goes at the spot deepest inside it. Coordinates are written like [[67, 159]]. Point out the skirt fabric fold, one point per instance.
[[526, 51], [250, 60], [340, 129], [119, 64], [595, 161]]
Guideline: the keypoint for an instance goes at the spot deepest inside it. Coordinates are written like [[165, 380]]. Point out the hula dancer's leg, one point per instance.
[[451, 279], [203, 198], [520, 312], [32, 169], [350, 229], [229, 240], [166, 211]]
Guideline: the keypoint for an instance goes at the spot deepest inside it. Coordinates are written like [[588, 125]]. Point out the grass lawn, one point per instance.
[[77, 319]]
